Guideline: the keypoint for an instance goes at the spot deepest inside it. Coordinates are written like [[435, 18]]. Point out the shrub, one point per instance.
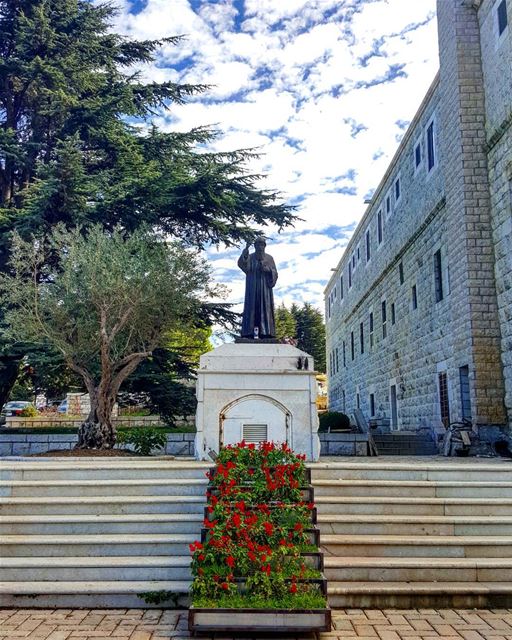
[[333, 420], [29, 412], [144, 440]]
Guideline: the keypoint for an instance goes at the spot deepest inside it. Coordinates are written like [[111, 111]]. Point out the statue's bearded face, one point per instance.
[[259, 248]]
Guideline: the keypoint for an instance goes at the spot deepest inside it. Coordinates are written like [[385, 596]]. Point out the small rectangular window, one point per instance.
[[431, 156], [352, 347], [465, 396], [361, 337], [438, 276], [358, 400], [401, 272], [379, 227], [444, 402], [397, 189], [384, 320], [349, 275], [344, 354], [342, 292], [368, 246], [372, 405], [358, 253], [414, 297], [371, 329], [354, 259], [336, 361], [393, 318], [417, 155], [388, 204], [502, 17]]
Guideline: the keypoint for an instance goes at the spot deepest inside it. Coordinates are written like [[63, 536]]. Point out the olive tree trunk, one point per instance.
[[98, 431]]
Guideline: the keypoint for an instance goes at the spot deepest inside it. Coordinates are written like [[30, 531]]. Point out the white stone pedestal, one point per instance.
[[256, 392]]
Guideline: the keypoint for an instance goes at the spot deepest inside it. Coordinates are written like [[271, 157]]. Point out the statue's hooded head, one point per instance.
[[259, 246]]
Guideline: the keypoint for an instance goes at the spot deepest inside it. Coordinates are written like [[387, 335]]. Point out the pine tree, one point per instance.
[[311, 333], [286, 327], [71, 150]]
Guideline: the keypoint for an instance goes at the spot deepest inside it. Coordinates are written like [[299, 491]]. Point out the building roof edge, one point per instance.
[[410, 129]]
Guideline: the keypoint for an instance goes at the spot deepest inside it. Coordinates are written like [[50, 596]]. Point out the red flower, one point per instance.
[[266, 569], [293, 588], [201, 557], [225, 586], [230, 561], [269, 528]]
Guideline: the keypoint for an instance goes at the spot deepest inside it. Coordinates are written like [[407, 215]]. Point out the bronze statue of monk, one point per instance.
[[258, 319]]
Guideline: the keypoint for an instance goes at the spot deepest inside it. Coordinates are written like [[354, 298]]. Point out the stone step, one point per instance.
[[96, 545], [416, 488], [401, 437], [422, 469], [162, 523], [407, 451], [368, 569], [403, 595], [83, 488], [414, 525], [94, 569], [102, 505], [391, 505], [93, 594], [95, 469], [417, 546]]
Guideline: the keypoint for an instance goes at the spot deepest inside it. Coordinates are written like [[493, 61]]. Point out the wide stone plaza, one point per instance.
[[369, 624]]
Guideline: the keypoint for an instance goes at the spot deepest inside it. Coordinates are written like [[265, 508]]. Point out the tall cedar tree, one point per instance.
[[72, 149]]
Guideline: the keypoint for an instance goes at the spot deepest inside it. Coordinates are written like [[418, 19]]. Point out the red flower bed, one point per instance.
[[257, 527]]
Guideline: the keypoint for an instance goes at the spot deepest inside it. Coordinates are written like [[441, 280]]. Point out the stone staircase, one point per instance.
[[405, 443], [97, 532], [416, 533], [396, 532]]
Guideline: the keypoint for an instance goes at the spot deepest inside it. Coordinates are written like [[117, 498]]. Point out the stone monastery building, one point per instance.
[[419, 308]]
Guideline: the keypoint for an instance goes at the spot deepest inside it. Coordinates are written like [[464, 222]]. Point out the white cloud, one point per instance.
[[289, 79]]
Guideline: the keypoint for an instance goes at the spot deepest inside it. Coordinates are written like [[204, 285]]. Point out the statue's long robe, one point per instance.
[[259, 299]]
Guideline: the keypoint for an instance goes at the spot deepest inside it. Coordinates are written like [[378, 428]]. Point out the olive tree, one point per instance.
[[108, 305]]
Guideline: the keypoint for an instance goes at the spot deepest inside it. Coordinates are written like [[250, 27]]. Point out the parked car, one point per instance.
[[63, 406], [13, 408]]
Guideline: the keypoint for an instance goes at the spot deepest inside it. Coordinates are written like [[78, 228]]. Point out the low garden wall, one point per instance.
[[178, 444], [12, 444], [343, 444]]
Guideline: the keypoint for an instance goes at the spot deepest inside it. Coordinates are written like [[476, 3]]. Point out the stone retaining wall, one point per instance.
[[11, 444], [178, 444]]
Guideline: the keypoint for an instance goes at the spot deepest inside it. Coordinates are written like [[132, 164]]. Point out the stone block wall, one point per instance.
[[497, 75], [441, 210]]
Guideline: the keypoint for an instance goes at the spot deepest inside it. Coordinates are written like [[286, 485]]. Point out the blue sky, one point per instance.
[[324, 88]]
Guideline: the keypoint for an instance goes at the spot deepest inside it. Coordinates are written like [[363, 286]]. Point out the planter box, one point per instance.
[[307, 474], [314, 513], [259, 620]]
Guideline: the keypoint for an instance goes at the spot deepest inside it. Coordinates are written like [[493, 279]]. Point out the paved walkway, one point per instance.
[[153, 624]]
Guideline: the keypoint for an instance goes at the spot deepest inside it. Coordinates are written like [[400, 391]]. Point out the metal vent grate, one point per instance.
[[254, 432]]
